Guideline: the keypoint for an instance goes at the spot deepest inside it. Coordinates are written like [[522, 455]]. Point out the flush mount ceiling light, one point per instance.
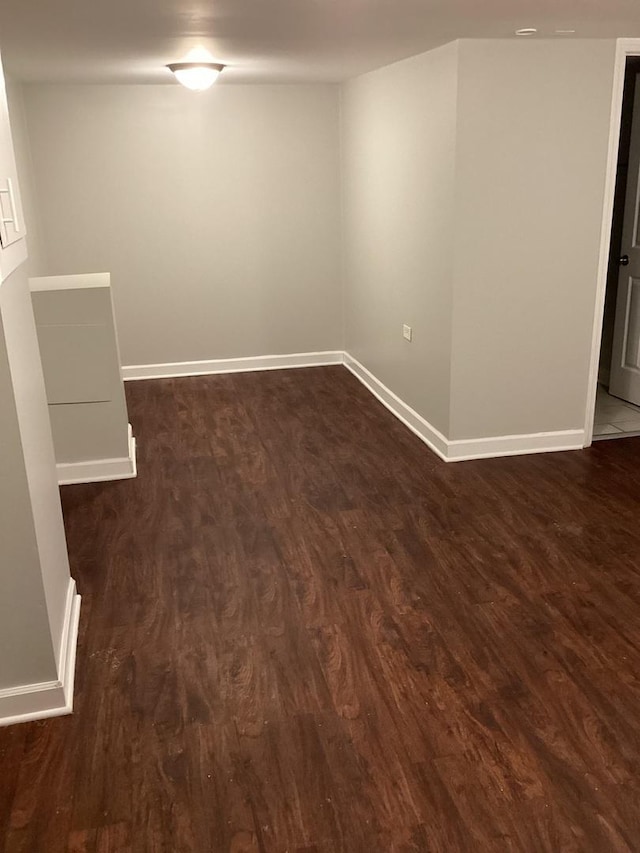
[[196, 76], [526, 31]]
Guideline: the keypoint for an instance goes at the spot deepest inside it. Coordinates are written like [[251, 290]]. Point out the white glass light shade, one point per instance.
[[197, 76]]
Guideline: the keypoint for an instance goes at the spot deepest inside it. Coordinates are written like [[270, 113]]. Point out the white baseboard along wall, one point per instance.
[[457, 450], [231, 365], [50, 698], [461, 450], [99, 470]]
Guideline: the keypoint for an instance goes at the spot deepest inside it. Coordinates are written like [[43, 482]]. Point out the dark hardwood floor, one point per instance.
[[301, 631]]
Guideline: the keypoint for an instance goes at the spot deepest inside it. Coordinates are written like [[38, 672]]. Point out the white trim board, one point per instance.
[[460, 450], [170, 370], [70, 282], [463, 449], [100, 470], [49, 698], [446, 449], [624, 48], [409, 417]]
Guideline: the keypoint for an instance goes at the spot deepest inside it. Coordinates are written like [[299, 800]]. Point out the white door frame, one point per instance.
[[624, 48]]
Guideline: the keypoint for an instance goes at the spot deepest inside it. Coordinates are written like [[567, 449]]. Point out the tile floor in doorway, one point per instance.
[[614, 418]]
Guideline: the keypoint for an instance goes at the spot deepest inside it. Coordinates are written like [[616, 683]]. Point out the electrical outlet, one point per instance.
[[407, 333]]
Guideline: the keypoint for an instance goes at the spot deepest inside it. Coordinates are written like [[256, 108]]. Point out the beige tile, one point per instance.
[[604, 429], [628, 424], [612, 414]]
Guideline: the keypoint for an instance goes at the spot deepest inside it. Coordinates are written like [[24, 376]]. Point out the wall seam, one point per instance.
[[342, 242]]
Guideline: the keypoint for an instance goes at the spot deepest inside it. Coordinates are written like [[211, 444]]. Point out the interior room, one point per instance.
[[313, 322]]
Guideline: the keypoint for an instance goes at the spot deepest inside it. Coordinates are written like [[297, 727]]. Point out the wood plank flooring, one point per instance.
[[301, 632]]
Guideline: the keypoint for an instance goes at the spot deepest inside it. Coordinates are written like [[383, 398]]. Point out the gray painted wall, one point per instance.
[[533, 126], [35, 568], [474, 180], [81, 364], [399, 140], [24, 635], [217, 214]]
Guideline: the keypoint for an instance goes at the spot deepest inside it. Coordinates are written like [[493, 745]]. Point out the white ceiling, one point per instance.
[[270, 40]]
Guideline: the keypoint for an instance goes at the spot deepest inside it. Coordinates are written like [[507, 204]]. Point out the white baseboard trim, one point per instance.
[[49, 698], [461, 450], [409, 417], [230, 365], [100, 470], [457, 450]]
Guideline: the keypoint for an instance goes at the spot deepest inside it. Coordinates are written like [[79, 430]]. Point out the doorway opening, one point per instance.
[[617, 404]]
